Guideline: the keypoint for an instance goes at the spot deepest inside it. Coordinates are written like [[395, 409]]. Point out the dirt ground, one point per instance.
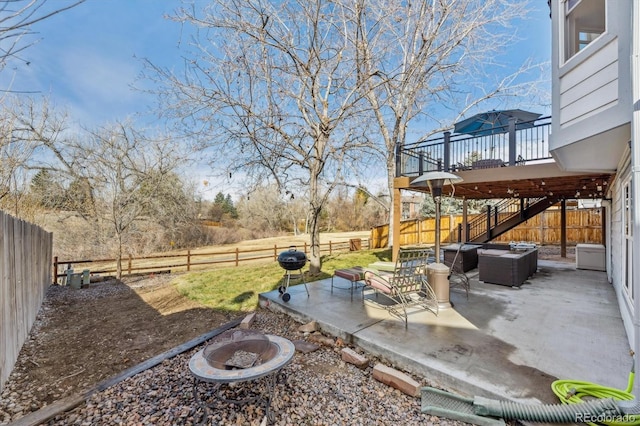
[[84, 336], [87, 335]]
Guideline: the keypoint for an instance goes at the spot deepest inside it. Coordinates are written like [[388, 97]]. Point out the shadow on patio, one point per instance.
[[500, 343]]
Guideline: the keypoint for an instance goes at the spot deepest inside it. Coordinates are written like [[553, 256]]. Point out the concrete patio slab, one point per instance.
[[501, 342]]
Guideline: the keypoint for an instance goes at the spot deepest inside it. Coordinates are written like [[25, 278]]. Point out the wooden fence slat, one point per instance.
[[583, 226], [25, 274]]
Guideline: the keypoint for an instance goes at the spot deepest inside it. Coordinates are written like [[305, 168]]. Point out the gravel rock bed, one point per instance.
[[317, 389]]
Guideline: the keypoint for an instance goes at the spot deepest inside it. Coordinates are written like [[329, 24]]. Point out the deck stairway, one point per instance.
[[505, 215]]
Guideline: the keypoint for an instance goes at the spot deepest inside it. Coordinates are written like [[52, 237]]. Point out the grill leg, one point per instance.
[[305, 283]]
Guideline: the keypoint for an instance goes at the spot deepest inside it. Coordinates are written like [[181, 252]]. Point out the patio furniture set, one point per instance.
[[504, 264], [405, 284]]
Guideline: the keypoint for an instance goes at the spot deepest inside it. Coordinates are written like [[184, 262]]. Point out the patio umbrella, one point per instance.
[[493, 122]]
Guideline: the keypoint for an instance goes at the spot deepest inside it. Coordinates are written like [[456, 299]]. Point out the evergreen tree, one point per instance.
[[229, 208], [47, 192]]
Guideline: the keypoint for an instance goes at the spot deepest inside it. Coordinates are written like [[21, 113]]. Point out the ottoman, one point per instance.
[[353, 275]]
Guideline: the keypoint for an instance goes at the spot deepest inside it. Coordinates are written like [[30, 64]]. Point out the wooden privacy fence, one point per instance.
[[192, 260], [25, 274], [583, 226]]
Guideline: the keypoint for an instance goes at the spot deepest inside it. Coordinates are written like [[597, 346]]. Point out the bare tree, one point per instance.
[[133, 178], [274, 88], [27, 128], [416, 57], [286, 90], [263, 209]]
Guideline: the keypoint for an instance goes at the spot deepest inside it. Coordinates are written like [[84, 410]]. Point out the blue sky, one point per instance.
[[89, 58]]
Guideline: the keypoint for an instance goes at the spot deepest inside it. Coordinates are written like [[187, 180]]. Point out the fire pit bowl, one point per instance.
[[239, 349], [212, 364], [240, 356]]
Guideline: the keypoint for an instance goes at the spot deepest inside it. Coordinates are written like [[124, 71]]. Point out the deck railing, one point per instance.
[[497, 214], [509, 145]]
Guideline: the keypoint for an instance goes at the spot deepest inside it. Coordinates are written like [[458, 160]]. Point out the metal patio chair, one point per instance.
[[406, 287], [457, 277]]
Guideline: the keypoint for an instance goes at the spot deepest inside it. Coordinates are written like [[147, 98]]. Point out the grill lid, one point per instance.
[[292, 259]]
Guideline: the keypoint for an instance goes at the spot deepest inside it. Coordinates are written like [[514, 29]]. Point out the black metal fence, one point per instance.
[[510, 145]]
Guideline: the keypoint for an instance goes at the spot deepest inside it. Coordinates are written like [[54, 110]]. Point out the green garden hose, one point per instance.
[[582, 402], [573, 392]]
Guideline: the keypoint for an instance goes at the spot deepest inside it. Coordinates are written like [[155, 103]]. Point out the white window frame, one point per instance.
[[627, 238], [566, 8]]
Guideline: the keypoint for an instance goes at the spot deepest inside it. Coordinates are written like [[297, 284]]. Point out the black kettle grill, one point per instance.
[[291, 260]]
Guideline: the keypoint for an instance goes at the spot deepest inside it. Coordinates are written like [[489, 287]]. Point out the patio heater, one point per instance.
[[438, 273]]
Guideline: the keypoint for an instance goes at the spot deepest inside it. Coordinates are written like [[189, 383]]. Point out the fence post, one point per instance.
[[512, 141], [488, 221], [237, 255], [130, 261], [542, 217], [563, 228], [55, 270], [447, 151], [330, 247], [275, 252], [188, 260]]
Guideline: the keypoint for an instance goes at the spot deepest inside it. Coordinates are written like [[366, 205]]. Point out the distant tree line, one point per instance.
[[117, 190], [303, 98]]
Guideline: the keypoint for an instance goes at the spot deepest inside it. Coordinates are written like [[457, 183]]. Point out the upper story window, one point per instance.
[[584, 22]]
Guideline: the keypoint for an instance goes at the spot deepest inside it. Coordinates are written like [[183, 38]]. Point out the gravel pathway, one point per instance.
[[318, 389]]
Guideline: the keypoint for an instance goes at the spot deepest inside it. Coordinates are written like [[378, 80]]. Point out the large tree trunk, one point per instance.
[[316, 201], [315, 265], [119, 258]]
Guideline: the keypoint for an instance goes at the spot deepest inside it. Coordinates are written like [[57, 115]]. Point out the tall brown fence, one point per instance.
[[25, 274], [583, 226]]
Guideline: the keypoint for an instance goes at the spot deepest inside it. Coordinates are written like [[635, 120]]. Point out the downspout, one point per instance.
[[635, 171]]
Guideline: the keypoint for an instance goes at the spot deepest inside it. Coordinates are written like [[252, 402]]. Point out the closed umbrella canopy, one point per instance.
[[492, 122]]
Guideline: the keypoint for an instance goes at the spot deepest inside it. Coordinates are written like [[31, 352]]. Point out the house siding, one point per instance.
[[617, 250], [596, 111], [590, 93], [591, 87]]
